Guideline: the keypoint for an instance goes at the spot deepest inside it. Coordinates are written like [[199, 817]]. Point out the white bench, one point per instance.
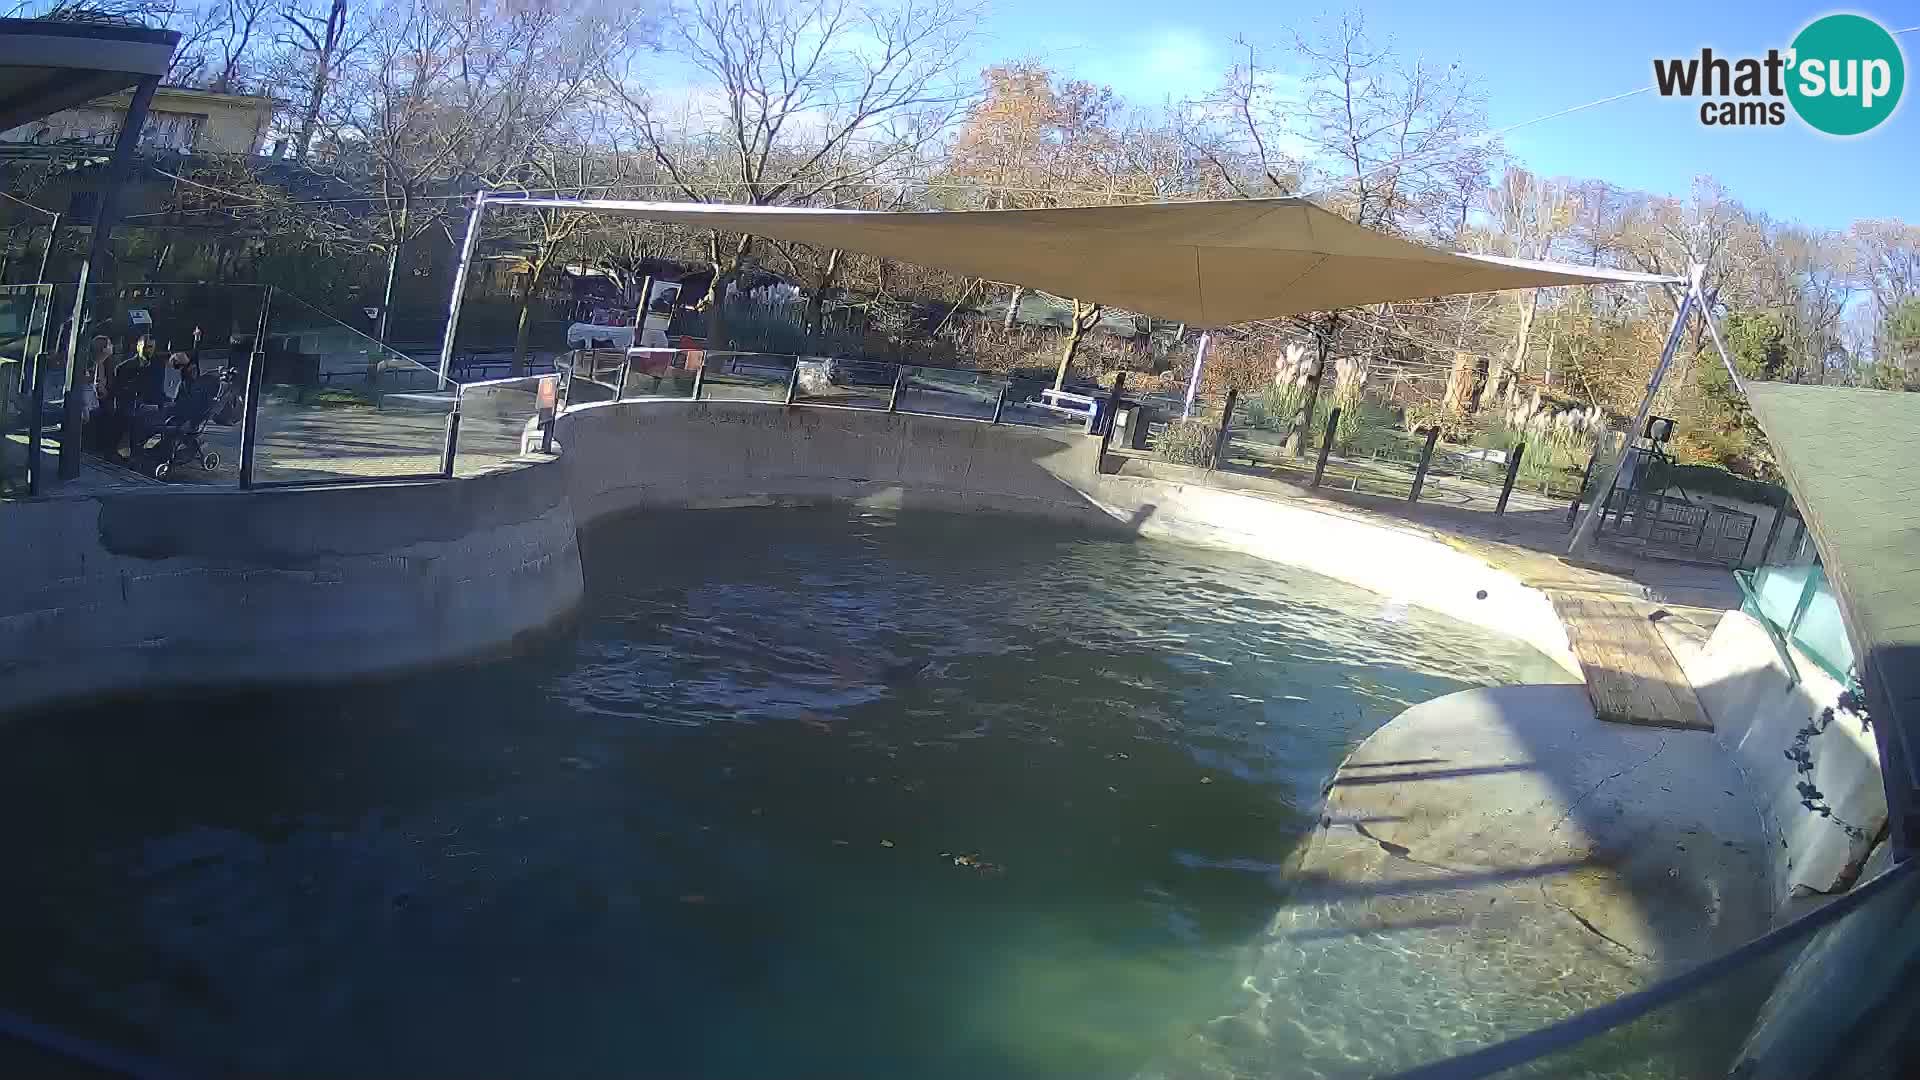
[[1060, 401]]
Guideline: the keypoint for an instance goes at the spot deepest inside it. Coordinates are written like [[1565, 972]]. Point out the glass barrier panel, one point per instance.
[[32, 384], [658, 374], [745, 376], [952, 392], [336, 404], [499, 421], [854, 384], [593, 375], [1820, 632]]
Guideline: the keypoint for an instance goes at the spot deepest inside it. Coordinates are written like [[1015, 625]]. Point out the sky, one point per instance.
[[1534, 59]]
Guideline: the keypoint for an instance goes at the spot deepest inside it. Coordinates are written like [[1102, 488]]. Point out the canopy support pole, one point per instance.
[[467, 247], [1193, 380], [1590, 522]]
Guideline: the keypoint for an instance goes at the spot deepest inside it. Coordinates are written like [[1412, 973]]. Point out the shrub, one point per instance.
[[1187, 442]]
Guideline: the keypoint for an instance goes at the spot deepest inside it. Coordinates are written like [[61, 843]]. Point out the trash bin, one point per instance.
[[1130, 419]]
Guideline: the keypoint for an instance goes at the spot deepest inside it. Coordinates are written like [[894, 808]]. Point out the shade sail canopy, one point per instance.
[[1203, 263]]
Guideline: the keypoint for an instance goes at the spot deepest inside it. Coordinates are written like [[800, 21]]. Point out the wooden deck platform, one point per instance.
[[1632, 678]]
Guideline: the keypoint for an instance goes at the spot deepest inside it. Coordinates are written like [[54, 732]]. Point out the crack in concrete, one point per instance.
[[1595, 930], [1583, 796]]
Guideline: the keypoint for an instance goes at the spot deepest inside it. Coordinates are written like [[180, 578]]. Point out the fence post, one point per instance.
[[453, 433], [1426, 459], [1513, 473], [255, 385], [999, 404], [699, 378], [793, 380], [620, 384], [1326, 445], [1586, 477], [1106, 430], [1773, 531], [899, 376], [1226, 429]]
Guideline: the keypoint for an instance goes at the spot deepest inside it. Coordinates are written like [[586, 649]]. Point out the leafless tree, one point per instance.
[[807, 95]]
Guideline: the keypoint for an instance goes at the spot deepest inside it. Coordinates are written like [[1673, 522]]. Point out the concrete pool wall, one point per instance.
[[630, 456], [124, 593]]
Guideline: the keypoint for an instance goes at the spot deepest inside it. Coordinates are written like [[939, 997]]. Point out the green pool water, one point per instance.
[[805, 793]]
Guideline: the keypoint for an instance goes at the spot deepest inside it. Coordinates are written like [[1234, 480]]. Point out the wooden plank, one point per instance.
[[1632, 677]]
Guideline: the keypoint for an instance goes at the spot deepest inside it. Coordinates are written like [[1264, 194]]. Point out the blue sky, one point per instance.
[[1534, 59]]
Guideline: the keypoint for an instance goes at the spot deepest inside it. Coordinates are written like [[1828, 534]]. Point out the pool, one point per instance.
[[807, 792]]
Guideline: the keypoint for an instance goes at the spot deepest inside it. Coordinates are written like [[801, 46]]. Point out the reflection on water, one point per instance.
[[809, 793]]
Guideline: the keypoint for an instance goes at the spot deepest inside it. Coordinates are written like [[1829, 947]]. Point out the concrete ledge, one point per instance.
[[1490, 862], [123, 593]]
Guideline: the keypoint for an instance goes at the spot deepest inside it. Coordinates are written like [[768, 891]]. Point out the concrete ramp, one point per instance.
[[1631, 675]]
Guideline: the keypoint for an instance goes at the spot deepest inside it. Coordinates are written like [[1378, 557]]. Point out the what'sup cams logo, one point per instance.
[[1842, 75]]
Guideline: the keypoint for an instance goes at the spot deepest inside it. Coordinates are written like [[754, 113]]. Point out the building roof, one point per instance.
[[47, 66], [1207, 264], [1852, 460]]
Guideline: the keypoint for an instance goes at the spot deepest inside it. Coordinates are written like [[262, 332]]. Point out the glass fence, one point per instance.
[[1799, 604], [337, 405], [27, 393]]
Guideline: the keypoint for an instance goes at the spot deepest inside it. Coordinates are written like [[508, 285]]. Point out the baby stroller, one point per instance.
[[177, 443]]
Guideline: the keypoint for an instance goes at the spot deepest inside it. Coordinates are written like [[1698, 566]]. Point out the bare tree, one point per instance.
[[807, 95], [325, 40]]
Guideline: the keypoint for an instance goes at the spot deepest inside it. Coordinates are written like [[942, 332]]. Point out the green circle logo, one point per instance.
[[1847, 74]]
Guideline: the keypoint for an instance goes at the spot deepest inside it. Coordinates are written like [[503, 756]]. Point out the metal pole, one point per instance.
[[1226, 429], [899, 377], [1193, 380], [256, 382], [1590, 524], [36, 400], [1000, 404], [1713, 331], [467, 247], [453, 434], [699, 378], [1513, 473], [1586, 476], [640, 316], [793, 380], [1326, 445], [53, 230], [620, 384], [1426, 459], [1106, 434], [70, 448]]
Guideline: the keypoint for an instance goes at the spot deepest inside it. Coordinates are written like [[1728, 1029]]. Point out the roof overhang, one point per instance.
[[47, 65], [1203, 263], [1848, 456]]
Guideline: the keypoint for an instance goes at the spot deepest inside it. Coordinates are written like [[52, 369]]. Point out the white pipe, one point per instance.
[[1193, 380], [467, 247]]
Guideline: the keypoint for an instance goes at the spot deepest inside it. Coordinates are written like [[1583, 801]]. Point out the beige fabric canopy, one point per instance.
[[1204, 263]]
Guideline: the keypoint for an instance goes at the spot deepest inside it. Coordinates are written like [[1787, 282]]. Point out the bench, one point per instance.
[[1079, 406]]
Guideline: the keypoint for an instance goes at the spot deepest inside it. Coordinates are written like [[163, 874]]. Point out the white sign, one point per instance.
[[139, 316]]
